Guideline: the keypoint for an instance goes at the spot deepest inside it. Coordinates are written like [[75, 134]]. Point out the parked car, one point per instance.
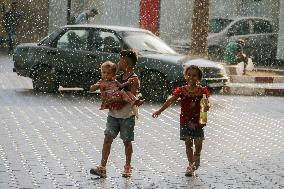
[[71, 57], [259, 35]]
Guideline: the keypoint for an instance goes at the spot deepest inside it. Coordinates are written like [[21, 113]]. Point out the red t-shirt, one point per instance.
[[190, 104]]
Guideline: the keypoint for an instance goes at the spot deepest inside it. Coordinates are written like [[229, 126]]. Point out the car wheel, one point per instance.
[[154, 87], [44, 80]]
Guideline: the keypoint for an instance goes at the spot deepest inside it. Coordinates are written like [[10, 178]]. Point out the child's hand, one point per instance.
[[156, 114], [130, 81], [206, 108]]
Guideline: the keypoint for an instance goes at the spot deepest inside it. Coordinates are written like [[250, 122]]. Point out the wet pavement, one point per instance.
[[52, 140]]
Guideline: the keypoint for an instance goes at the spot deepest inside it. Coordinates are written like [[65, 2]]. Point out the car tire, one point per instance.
[[45, 80], [154, 87]]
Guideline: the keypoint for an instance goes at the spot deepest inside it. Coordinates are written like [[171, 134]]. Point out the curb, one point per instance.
[[280, 71], [253, 91], [252, 79]]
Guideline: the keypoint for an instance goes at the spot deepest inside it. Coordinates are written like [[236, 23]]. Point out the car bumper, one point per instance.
[[214, 82], [22, 72]]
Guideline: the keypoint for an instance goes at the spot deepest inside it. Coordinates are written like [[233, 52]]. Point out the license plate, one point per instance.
[[216, 84]]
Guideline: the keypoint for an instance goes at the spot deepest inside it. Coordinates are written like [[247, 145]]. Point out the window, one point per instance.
[[74, 40], [142, 41], [216, 25], [262, 26], [105, 41], [240, 28]]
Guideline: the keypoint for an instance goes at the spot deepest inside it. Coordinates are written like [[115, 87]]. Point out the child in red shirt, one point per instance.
[[191, 131]]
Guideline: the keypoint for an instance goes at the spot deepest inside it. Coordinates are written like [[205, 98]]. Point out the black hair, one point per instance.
[[200, 73], [95, 11], [130, 55]]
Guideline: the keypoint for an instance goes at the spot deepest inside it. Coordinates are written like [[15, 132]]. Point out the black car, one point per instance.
[[71, 57]]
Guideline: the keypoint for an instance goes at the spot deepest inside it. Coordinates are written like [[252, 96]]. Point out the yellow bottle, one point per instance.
[[203, 114]]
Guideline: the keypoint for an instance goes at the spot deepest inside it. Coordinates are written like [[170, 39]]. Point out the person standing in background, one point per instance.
[[83, 17], [234, 53], [11, 20]]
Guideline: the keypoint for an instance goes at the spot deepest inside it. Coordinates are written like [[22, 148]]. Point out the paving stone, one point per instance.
[[52, 140]]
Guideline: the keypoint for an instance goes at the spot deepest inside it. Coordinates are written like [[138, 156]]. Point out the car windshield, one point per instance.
[[142, 41], [216, 25]]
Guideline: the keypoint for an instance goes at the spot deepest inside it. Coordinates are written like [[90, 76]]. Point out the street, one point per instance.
[[52, 141]]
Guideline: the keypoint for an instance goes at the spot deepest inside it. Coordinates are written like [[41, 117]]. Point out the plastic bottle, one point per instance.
[[203, 114]]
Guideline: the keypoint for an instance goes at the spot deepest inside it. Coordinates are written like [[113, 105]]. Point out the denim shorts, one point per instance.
[[189, 133], [124, 126]]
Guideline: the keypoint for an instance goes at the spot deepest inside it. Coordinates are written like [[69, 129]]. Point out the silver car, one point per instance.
[[258, 33]]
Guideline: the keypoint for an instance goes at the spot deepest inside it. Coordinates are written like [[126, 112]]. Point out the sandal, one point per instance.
[[99, 171], [127, 171]]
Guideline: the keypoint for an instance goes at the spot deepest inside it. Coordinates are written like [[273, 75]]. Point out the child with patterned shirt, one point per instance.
[[191, 131], [110, 89]]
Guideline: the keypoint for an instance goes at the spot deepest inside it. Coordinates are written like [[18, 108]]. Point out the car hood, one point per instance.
[[200, 62], [184, 60], [172, 58]]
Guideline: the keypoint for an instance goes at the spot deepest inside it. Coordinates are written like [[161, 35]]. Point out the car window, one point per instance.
[[143, 41], [76, 39], [240, 28], [105, 41], [47, 41], [216, 25], [262, 26]]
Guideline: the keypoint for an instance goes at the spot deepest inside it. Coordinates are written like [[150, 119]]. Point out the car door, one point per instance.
[[71, 52], [100, 50], [265, 40], [242, 29]]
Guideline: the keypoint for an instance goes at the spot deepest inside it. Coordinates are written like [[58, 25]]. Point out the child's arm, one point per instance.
[[96, 86], [122, 85], [131, 96], [169, 102]]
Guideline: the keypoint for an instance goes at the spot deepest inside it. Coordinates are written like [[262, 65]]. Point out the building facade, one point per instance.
[[280, 50], [33, 22], [171, 20]]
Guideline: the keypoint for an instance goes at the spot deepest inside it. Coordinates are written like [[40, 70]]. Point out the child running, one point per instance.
[[191, 131], [110, 89]]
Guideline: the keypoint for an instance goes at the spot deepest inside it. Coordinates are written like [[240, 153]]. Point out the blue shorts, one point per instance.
[[124, 126], [189, 133]]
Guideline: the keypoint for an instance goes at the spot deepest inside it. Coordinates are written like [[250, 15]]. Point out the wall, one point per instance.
[[33, 24], [4, 6], [223, 8], [280, 52], [175, 20], [57, 14], [120, 12]]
